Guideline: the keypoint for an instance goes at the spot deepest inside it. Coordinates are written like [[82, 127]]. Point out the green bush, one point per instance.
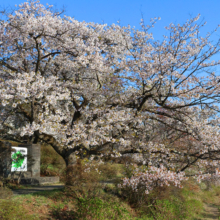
[[99, 209], [172, 203], [172, 208], [93, 208], [165, 202]]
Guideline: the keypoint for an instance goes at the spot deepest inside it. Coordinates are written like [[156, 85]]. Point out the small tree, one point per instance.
[[101, 89]]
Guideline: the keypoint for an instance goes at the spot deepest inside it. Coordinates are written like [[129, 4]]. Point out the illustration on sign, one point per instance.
[[19, 159]]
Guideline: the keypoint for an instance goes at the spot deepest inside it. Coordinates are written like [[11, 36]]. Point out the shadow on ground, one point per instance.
[[35, 189]]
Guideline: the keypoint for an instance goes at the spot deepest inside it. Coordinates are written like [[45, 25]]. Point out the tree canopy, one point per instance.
[[110, 90]]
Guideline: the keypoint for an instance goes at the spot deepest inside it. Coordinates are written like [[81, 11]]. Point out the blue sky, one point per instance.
[[131, 11]]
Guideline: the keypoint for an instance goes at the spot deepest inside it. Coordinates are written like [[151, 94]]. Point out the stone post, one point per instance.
[[35, 157]]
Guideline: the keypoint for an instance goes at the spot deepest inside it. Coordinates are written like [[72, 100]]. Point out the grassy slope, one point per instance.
[[58, 204]]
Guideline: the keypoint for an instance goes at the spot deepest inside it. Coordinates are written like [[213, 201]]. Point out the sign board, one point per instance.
[[19, 159]]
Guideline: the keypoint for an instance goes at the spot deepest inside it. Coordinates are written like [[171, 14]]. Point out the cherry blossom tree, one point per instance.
[[91, 89]]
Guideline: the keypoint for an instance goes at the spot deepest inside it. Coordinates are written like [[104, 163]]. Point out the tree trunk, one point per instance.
[[68, 154], [70, 158]]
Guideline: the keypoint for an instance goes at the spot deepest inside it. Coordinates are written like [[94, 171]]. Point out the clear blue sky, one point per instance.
[[130, 11]]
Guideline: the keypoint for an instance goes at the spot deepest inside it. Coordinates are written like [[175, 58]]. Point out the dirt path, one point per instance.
[[211, 212], [34, 189]]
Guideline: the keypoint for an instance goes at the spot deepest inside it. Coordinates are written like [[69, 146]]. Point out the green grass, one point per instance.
[[10, 210], [89, 200], [172, 203], [57, 204]]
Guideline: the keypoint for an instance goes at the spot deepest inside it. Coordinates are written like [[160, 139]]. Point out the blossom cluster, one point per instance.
[[152, 178], [102, 87]]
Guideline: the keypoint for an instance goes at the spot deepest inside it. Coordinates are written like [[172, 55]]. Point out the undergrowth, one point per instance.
[[98, 203], [13, 210], [96, 195]]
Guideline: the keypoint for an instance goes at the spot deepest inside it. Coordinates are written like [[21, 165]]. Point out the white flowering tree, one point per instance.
[[110, 89]]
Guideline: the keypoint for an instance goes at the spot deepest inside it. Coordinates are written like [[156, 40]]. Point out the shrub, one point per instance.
[[99, 209], [80, 174], [81, 183], [167, 202], [83, 187], [172, 209], [93, 208]]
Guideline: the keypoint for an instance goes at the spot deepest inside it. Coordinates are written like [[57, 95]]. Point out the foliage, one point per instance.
[[166, 209], [82, 185], [93, 208], [174, 208], [167, 202]]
